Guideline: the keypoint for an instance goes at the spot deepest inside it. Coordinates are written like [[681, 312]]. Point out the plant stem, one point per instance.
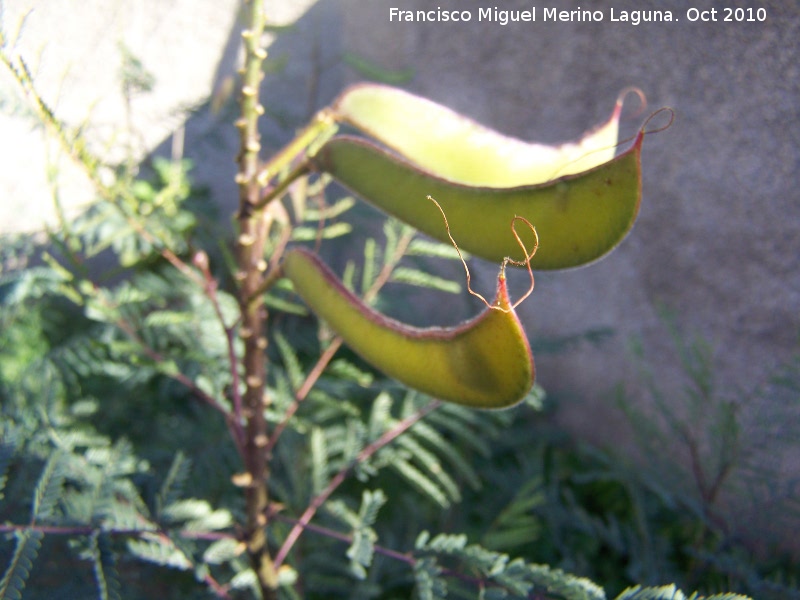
[[404, 557], [342, 537], [253, 230]]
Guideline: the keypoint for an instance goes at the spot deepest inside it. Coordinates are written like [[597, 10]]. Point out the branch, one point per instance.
[[342, 537], [404, 557], [210, 288]]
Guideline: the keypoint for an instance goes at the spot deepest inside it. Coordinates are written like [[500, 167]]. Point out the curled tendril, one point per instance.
[[643, 131], [664, 109], [526, 262]]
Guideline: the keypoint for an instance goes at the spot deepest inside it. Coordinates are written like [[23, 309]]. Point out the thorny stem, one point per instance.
[[388, 437], [253, 230], [271, 278]]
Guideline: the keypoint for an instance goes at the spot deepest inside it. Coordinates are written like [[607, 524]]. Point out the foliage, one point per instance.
[[511, 485], [123, 458]]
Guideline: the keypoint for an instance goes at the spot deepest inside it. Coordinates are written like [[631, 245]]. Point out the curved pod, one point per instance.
[[454, 147], [579, 217], [483, 363]]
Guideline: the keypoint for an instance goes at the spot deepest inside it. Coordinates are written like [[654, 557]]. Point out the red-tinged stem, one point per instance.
[[336, 535], [201, 261], [404, 557]]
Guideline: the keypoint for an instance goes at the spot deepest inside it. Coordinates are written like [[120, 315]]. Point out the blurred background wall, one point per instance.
[[717, 242]]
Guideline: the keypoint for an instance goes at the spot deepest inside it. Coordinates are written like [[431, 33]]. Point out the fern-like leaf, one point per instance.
[[172, 488], [556, 581], [432, 465], [159, 550], [282, 304], [105, 568], [370, 265], [197, 515], [10, 441], [516, 525], [424, 247], [380, 416], [399, 461], [447, 450], [224, 550], [517, 577], [167, 318], [362, 548], [48, 489], [291, 363], [430, 585], [667, 592], [461, 424], [670, 592], [329, 212], [344, 369], [19, 569], [419, 278], [319, 460], [309, 234], [394, 231]]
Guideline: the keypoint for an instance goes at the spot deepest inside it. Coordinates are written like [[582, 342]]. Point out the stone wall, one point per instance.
[[717, 243]]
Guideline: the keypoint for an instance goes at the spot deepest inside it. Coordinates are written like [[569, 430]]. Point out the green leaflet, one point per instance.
[[579, 218], [19, 569], [483, 363]]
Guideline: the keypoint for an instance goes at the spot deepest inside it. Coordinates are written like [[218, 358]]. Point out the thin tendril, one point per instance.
[[461, 256], [528, 256], [520, 263], [663, 109]]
